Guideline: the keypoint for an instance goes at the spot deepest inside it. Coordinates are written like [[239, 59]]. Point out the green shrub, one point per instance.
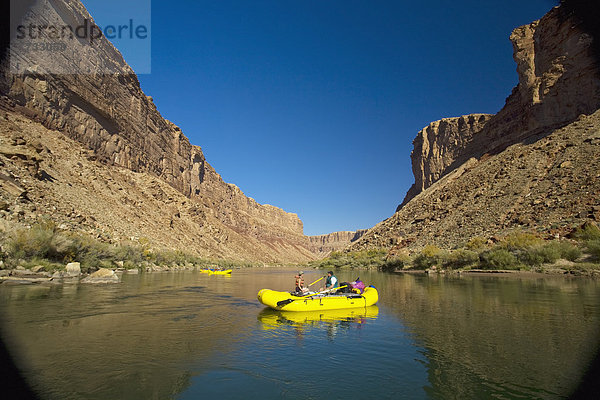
[[520, 241], [44, 241], [477, 243], [398, 262], [462, 258], [529, 257], [40, 241], [549, 253], [589, 231], [430, 256], [537, 256], [567, 250], [542, 252], [593, 248], [498, 259], [48, 266]]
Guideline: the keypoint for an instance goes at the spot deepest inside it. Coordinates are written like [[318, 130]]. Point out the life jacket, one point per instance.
[[328, 282], [358, 285]]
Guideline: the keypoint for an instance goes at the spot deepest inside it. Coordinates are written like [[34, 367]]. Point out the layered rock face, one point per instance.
[[322, 245], [532, 166], [558, 81], [550, 186], [438, 145], [103, 108], [45, 175]]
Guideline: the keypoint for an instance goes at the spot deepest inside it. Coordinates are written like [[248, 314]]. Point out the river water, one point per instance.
[[188, 335]]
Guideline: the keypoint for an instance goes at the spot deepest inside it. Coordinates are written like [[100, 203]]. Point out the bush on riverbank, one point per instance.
[[498, 259], [430, 256], [45, 245], [587, 232], [593, 248], [462, 258]]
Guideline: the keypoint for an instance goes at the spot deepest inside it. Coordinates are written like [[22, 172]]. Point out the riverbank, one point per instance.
[[47, 253], [577, 254], [73, 273], [590, 271]]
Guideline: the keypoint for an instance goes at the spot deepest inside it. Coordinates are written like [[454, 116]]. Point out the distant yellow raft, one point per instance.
[[226, 272], [289, 302]]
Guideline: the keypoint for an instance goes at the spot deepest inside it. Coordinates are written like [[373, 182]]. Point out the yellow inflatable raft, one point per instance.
[[226, 272], [317, 301]]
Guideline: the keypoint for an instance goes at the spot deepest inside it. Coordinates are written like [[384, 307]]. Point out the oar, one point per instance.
[[288, 301], [317, 281]]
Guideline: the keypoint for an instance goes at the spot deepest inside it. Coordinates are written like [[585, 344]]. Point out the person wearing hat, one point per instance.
[[331, 282], [300, 283]]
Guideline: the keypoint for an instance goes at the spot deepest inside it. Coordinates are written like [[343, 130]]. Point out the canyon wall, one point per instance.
[[322, 245], [558, 81], [532, 166], [100, 104]]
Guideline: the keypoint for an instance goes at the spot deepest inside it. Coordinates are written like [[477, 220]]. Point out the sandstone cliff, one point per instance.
[[103, 108], [438, 145], [46, 175], [533, 166], [558, 81], [322, 245], [549, 186]]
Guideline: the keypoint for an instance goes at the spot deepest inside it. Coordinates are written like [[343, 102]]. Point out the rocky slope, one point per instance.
[[111, 123], [322, 245], [548, 186], [44, 174], [558, 81], [532, 166]]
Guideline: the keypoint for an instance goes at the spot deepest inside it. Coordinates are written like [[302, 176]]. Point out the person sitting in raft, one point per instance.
[[331, 282], [300, 283], [358, 286]]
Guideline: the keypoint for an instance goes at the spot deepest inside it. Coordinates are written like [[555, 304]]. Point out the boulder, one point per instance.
[[22, 272], [103, 275], [73, 269], [58, 275]]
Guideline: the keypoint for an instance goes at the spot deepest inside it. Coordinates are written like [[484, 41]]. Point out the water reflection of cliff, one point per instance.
[[111, 343], [486, 337]]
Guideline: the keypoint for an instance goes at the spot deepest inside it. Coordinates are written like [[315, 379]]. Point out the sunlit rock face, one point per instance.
[[532, 166], [101, 106], [558, 81], [323, 245]]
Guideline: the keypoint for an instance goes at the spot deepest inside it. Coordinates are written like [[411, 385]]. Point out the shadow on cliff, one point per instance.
[[587, 15]]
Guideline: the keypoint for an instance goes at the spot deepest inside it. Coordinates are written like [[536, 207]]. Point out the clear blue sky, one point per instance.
[[312, 105]]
